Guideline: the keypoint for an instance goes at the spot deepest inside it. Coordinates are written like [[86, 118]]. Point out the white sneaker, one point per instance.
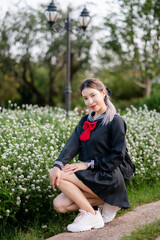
[[108, 212], [86, 221]]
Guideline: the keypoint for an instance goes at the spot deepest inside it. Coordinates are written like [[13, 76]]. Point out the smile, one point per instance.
[[93, 106]]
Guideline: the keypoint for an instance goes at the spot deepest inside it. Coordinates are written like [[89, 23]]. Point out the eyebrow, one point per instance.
[[89, 94]]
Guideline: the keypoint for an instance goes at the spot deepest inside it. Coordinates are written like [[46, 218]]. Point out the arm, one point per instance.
[[72, 147], [55, 176], [118, 149]]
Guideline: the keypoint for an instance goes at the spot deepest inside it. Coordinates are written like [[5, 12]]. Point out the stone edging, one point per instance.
[[120, 226]]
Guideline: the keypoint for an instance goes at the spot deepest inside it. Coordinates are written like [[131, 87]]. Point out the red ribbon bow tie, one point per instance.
[[88, 127]]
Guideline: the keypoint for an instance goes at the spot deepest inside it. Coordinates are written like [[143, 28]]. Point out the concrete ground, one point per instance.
[[120, 226]]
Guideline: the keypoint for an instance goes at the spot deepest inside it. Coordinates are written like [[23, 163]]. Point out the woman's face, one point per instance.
[[94, 99]]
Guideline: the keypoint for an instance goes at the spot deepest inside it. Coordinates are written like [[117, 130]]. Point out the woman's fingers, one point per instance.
[[75, 170], [54, 176], [67, 169], [57, 180], [72, 168], [69, 166], [53, 181]]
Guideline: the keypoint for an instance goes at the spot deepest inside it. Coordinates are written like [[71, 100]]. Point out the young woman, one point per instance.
[[99, 179]]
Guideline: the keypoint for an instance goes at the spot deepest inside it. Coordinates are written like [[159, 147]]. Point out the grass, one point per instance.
[[149, 232], [32, 230], [36, 229], [141, 194]]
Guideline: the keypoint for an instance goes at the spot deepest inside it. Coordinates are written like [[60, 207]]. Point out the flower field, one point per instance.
[[31, 139]]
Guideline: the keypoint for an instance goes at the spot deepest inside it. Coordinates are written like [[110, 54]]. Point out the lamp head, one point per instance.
[[84, 19], [51, 13]]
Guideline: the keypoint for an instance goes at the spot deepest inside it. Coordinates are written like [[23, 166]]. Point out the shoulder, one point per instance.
[[83, 119], [117, 118], [118, 122]]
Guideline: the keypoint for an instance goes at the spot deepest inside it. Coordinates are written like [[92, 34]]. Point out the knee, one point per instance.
[[58, 206]]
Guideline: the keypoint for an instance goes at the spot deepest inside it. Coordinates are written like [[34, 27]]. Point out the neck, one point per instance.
[[97, 114]]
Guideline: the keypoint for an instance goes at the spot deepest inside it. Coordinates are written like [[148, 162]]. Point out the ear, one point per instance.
[[104, 92]]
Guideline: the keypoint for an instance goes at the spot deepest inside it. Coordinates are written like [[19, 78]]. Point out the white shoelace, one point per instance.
[[80, 215]]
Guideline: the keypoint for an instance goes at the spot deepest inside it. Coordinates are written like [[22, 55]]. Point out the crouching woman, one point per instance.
[[99, 178]]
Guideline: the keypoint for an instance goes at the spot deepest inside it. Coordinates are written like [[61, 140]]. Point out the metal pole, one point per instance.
[[68, 66]]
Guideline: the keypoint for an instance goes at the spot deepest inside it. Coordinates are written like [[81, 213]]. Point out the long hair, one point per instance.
[[98, 85]]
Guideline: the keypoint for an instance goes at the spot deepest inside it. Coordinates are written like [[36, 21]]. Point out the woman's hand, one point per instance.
[[72, 168], [55, 176]]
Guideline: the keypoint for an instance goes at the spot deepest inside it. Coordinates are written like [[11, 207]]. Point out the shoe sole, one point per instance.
[[98, 225], [109, 220]]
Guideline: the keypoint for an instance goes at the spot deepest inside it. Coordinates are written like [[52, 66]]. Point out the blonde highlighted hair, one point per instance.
[[98, 85]]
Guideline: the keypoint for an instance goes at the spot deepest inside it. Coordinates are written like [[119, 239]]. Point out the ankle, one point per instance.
[[93, 212]]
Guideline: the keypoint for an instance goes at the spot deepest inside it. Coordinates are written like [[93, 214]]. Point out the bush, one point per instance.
[[30, 141], [32, 138], [153, 103], [143, 138]]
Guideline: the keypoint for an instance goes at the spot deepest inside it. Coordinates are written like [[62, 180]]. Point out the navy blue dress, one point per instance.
[[106, 150]]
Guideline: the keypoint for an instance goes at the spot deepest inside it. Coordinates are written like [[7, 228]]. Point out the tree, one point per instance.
[[133, 40], [8, 83], [36, 50]]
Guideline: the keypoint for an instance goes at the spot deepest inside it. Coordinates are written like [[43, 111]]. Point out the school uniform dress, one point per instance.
[[106, 150]]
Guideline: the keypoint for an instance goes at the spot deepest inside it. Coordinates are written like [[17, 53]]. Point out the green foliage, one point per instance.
[[150, 231], [118, 79], [141, 193], [132, 40], [32, 138], [143, 142], [43, 228], [8, 84], [30, 141], [152, 103], [35, 72]]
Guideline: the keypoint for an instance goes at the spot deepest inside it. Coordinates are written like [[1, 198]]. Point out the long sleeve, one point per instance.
[[118, 147], [72, 147]]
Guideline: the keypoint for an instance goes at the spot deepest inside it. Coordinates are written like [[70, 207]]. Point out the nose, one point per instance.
[[90, 101]]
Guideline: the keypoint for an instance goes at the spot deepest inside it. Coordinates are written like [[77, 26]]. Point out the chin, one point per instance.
[[90, 110]]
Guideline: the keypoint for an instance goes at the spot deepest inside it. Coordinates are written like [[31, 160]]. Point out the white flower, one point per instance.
[[44, 226]]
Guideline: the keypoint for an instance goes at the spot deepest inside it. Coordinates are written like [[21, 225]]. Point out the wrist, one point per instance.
[[58, 164], [56, 167], [88, 164], [91, 164]]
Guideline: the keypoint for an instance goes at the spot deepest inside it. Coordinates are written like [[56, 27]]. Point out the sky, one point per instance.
[[98, 10]]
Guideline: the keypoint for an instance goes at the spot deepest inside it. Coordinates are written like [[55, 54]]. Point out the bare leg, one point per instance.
[[71, 186], [64, 204], [73, 179], [76, 195]]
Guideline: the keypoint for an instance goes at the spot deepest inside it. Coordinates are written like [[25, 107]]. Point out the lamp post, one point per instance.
[[51, 14]]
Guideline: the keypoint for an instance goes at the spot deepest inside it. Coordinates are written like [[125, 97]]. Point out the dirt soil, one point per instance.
[[120, 226]]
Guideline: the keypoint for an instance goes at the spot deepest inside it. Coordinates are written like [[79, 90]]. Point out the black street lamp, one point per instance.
[[51, 14]]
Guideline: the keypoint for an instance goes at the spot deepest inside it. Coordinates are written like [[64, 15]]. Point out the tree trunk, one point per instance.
[[41, 99], [51, 91], [148, 88]]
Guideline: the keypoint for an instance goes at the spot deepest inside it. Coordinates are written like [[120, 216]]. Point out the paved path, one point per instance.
[[158, 238], [119, 227]]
